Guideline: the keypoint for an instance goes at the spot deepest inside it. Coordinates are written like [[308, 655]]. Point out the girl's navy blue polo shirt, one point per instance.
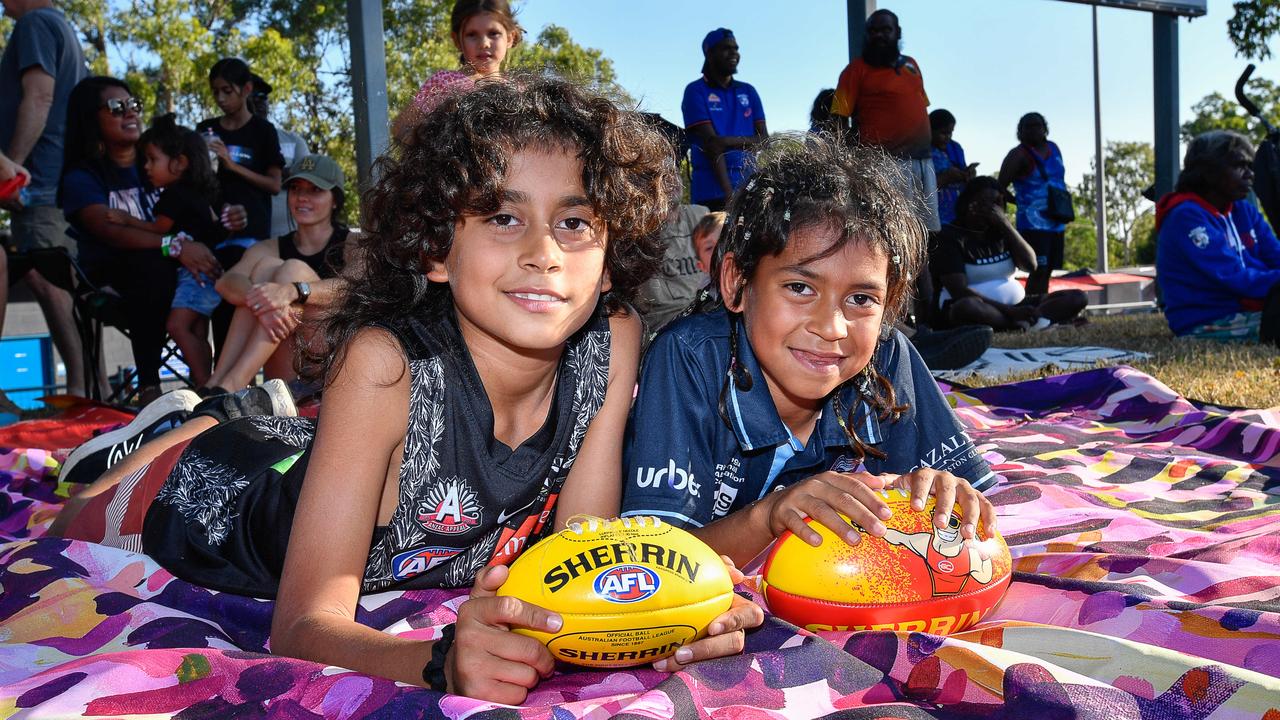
[[683, 463]]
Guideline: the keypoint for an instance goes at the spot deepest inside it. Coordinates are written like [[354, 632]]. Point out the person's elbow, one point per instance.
[[294, 634]]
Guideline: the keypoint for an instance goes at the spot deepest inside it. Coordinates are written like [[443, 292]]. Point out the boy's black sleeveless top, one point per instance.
[[466, 500]]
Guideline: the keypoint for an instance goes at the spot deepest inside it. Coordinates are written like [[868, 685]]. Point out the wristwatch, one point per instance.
[[304, 292]]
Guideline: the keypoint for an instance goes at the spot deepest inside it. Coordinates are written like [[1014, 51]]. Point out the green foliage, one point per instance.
[[1253, 26], [556, 52], [164, 49], [1215, 112], [1130, 169]]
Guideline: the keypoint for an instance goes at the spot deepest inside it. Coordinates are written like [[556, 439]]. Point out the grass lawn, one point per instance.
[[1240, 375]]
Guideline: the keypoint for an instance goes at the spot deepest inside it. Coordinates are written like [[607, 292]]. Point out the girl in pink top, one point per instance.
[[483, 31]]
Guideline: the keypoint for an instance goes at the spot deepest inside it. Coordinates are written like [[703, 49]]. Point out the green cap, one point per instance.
[[319, 170]]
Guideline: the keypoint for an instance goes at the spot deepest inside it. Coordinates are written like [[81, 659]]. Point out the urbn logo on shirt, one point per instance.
[[677, 478]]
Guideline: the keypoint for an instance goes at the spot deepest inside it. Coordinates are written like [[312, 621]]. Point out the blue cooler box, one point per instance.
[[26, 369]]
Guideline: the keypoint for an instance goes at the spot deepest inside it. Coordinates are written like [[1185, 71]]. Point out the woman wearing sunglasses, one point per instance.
[[101, 171]]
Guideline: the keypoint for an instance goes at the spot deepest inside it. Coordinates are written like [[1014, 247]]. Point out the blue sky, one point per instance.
[[988, 61]]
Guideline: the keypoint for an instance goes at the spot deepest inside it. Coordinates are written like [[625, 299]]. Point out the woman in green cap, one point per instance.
[[281, 280]]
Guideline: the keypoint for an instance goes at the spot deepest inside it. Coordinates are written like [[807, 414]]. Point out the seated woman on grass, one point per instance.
[[1217, 259], [975, 260], [280, 280], [477, 379]]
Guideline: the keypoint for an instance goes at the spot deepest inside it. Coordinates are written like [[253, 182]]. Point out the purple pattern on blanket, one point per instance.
[[1144, 527]]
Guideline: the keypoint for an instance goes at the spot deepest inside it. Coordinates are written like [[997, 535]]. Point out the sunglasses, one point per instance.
[[118, 106]]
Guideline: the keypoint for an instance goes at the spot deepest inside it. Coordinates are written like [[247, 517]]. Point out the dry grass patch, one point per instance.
[[1235, 374]]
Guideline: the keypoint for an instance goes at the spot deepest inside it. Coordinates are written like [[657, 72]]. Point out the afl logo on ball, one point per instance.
[[626, 583]]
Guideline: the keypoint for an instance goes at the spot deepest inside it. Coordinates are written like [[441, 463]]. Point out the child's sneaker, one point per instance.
[[96, 455], [270, 398]]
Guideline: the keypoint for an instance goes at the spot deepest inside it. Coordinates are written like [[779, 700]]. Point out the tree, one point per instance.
[[1130, 170], [1253, 26], [164, 49], [1215, 112]]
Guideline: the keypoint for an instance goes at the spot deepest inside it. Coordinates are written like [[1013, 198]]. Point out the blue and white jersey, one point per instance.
[[683, 463], [732, 112], [1032, 190]]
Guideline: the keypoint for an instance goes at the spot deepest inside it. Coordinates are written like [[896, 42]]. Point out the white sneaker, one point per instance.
[[282, 404], [98, 454], [1040, 324]]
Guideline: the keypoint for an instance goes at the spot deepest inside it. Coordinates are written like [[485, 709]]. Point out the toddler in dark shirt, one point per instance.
[[177, 162]]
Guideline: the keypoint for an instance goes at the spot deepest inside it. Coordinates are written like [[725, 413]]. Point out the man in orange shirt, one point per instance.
[[880, 100], [882, 93]]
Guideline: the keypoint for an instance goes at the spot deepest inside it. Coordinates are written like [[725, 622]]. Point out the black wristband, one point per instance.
[[433, 671]]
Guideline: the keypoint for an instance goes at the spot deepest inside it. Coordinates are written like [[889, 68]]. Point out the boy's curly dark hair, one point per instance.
[[454, 164], [814, 180]]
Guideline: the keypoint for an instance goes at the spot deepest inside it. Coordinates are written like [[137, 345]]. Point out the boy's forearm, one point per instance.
[[337, 641]]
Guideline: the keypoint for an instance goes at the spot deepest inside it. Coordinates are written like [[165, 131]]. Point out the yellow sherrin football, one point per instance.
[[630, 590]]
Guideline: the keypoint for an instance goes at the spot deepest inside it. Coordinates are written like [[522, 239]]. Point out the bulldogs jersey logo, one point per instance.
[[626, 583], [1199, 237], [451, 507]]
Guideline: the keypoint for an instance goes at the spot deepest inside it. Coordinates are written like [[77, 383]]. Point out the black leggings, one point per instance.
[[145, 281]]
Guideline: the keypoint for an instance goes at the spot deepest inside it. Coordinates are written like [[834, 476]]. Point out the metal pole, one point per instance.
[[1100, 176], [1165, 64], [368, 84], [858, 12]]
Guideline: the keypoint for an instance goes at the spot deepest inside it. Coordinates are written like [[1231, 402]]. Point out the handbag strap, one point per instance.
[[1039, 163]]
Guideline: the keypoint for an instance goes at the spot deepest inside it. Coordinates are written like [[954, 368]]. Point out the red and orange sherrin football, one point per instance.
[[915, 579]]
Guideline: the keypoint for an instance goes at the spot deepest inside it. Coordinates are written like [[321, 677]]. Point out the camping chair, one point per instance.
[[93, 309]]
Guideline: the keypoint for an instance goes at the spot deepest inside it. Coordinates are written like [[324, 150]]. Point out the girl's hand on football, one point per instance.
[[726, 635], [487, 661], [947, 489], [824, 497]]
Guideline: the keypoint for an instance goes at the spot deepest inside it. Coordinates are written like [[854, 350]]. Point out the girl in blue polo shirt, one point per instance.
[[793, 397]]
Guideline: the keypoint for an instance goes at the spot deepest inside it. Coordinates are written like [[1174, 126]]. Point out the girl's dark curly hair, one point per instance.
[[175, 140], [454, 164], [812, 181]]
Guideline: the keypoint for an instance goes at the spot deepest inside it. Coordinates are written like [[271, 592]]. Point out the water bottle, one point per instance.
[[209, 137]]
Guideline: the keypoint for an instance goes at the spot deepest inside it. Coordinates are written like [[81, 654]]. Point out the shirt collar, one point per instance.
[[755, 420]]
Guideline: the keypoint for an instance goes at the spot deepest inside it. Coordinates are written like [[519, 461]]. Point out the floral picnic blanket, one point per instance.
[[1145, 530]]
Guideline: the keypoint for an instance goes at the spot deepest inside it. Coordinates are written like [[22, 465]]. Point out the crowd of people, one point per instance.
[[479, 344]]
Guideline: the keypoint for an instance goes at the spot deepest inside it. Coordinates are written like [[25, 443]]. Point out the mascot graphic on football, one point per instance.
[[951, 563]]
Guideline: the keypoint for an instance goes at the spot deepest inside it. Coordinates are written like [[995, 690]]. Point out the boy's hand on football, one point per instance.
[[726, 635], [948, 490], [487, 661], [824, 497]]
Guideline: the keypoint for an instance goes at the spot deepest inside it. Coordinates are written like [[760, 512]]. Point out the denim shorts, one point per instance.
[[191, 296]]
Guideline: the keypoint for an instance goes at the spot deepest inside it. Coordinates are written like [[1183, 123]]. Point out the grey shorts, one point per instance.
[[924, 188], [42, 226]]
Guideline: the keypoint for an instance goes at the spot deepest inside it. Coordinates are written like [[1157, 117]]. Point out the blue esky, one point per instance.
[[988, 61]]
